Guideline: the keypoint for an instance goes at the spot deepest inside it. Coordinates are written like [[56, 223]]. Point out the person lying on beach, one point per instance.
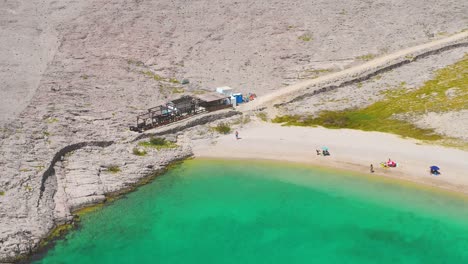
[[318, 152]]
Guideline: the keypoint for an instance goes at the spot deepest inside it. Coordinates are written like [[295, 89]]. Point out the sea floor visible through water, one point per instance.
[[222, 211]]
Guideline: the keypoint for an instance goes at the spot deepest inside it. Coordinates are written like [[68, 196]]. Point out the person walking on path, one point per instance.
[[237, 134]]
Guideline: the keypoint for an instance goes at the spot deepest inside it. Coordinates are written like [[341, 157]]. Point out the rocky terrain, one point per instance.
[[75, 73]]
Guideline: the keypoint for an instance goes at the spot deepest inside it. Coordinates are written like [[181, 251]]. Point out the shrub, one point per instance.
[[158, 143], [262, 116], [138, 152], [305, 37], [113, 168], [2, 193], [222, 128]]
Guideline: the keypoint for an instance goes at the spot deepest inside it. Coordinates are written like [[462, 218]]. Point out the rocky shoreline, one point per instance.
[[82, 175]]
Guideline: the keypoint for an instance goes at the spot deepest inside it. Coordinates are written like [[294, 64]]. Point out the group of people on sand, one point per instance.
[[323, 152], [434, 170], [389, 164]]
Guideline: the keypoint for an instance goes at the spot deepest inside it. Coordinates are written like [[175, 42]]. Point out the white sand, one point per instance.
[[350, 150]]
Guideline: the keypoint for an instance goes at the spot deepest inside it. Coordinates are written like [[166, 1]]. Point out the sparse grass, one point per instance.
[[135, 62], [222, 128], [138, 152], [263, 116], [199, 92], [45, 133], [2, 193], [318, 71], [305, 37], [366, 57], [314, 73], [176, 90], [158, 143], [84, 77], [28, 188], [153, 75], [173, 80], [39, 167], [242, 120], [114, 169], [431, 97], [51, 120]]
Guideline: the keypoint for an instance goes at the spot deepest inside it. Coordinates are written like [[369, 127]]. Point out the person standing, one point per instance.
[[237, 134], [372, 168]]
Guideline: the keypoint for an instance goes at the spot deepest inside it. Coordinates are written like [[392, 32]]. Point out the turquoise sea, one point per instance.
[[211, 211]]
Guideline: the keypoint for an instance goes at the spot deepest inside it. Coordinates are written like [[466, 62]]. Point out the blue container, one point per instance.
[[238, 97]]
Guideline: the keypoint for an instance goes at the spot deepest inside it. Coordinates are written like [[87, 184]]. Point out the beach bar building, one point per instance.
[[214, 101], [180, 108]]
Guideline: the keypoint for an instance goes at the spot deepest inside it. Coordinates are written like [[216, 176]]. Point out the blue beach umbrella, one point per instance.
[[324, 148], [435, 168]]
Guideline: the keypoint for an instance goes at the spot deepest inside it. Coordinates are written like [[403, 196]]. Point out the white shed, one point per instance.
[[225, 90]]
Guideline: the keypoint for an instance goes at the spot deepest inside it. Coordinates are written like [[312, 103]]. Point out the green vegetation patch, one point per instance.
[[139, 152], [448, 91], [305, 37], [158, 143], [173, 80], [222, 128], [153, 75], [176, 90], [366, 57], [199, 92], [263, 116], [2, 193], [114, 169], [51, 120]]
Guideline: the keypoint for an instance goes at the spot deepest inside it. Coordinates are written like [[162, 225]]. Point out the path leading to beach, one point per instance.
[[288, 93], [350, 150]]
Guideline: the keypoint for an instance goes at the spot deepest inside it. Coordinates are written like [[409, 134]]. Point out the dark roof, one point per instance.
[[182, 99]]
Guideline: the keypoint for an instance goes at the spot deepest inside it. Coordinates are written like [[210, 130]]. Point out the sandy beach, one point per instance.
[[351, 150]]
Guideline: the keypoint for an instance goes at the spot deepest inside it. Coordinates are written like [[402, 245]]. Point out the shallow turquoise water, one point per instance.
[[258, 212]]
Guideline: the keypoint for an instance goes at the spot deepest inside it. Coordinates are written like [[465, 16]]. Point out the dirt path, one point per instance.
[[361, 71]]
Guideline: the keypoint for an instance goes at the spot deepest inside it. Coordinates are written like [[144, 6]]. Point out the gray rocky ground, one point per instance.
[[79, 71]]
